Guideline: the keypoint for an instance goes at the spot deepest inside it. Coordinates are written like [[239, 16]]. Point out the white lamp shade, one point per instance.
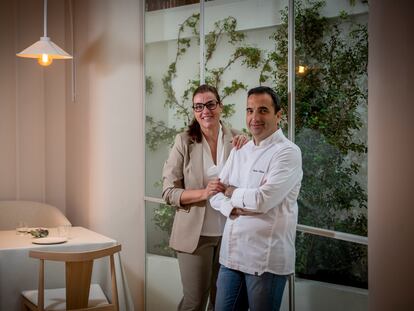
[[44, 46]]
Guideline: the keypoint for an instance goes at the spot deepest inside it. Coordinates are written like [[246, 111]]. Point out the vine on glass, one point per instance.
[[330, 94]]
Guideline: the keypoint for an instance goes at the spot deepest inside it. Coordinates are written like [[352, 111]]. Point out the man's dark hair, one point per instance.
[[266, 90]]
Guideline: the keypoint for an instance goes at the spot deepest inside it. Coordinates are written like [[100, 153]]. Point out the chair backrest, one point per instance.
[[35, 214], [78, 276]]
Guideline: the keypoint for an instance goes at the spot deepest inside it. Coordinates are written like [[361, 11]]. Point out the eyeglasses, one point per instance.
[[210, 105]]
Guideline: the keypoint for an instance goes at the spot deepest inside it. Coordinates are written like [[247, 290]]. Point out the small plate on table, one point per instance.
[[49, 240]]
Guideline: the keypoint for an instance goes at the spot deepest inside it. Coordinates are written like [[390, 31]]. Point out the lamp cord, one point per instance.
[[73, 51], [45, 18]]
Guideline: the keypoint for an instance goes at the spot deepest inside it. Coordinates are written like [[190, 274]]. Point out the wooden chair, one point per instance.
[[79, 294]]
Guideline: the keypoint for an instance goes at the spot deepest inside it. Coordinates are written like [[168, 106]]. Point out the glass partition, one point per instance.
[[171, 60], [329, 260], [331, 57], [246, 45], [237, 50]]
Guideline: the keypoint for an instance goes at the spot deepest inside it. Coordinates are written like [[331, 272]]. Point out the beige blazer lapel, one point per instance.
[[196, 165]]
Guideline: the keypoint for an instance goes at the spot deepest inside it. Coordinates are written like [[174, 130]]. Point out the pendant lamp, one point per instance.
[[44, 50]]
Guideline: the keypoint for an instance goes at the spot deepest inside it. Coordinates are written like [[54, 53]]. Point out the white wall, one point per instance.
[[105, 129], [85, 157], [32, 107]]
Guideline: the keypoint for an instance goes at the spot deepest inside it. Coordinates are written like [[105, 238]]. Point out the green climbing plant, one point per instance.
[[158, 132], [330, 95]]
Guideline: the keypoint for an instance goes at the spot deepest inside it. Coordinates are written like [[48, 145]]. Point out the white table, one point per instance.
[[19, 272]]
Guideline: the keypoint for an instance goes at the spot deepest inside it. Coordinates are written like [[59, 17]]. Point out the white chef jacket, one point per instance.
[[268, 179]]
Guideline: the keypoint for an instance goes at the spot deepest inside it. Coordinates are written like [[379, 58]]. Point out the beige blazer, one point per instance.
[[184, 170]]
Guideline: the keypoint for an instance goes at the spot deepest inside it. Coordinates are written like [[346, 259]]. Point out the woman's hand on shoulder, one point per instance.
[[239, 141]]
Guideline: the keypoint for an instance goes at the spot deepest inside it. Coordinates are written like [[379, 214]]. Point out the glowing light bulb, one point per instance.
[[301, 69], [45, 60]]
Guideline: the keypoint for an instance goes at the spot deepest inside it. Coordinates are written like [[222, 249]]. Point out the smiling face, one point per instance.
[[207, 119], [261, 118]]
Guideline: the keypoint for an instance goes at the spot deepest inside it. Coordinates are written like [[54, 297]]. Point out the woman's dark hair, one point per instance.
[[194, 129], [270, 92]]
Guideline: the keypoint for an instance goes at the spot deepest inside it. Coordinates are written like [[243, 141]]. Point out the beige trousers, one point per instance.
[[199, 272]]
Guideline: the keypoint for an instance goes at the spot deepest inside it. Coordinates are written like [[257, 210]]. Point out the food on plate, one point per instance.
[[39, 232]]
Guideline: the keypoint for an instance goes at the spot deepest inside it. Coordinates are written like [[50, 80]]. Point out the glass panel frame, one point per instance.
[[291, 91]]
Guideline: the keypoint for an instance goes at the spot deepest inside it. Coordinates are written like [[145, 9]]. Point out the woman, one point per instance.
[[189, 179]]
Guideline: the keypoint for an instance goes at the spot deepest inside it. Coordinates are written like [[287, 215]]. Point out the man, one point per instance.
[[260, 203]]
